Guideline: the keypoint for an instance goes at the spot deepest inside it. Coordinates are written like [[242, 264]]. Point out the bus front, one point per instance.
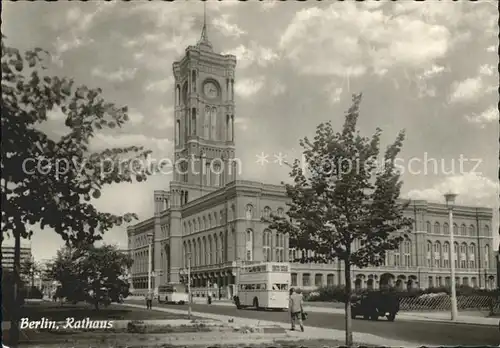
[[279, 279]]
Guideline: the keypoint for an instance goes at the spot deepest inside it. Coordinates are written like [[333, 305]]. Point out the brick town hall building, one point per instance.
[[215, 219]]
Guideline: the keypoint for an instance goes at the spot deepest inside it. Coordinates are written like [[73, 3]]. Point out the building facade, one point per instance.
[[210, 221], [8, 256]]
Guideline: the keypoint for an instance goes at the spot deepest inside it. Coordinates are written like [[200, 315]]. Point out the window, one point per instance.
[[446, 229], [455, 229], [266, 245], [213, 124], [486, 231], [455, 255], [463, 230], [206, 129], [177, 132], [318, 280], [330, 280], [279, 247], [208, 174], [280, 212], [431, 282], [249, 212], [437, 228], [429, 253], [267, 212], [249, 245], [463, 255], [486, 256], [446, 255], [428, 227], [437, 255], [472, 256], [217, 168], [294, 279], [193, 121], [306, 281], [472, 230], [407, 252], [397, 258]]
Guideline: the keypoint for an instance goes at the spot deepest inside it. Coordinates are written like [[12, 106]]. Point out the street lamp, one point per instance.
[[150, 260], [189, 282], [450, 202]]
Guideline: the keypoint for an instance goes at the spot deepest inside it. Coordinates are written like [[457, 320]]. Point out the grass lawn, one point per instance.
[[54, 311]]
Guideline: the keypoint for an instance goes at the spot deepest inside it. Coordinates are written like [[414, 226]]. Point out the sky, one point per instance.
[[427, 67]]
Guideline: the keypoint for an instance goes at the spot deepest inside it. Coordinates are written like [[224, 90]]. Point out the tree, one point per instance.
[[92, 273], [342, 207], [49, 182]]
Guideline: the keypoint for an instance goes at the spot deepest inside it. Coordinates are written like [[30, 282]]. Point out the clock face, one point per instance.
[[210, 90]]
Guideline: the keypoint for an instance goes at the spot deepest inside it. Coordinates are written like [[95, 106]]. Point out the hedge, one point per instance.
[[336, 293]]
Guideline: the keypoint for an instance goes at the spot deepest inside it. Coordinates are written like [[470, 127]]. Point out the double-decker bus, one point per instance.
[[264, 286], [173, 293]]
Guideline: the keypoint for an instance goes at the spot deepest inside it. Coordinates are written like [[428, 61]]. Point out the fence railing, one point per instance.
[[443, 302]]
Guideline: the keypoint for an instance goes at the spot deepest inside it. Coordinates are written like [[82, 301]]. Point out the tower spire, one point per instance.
[[204, 32]]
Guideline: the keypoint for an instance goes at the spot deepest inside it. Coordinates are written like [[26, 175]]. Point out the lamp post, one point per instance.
[[150, 260], [450, 201], [183, 272]]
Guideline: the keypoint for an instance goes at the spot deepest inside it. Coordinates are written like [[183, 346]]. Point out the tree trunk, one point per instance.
[[16, 303], [348, 290]]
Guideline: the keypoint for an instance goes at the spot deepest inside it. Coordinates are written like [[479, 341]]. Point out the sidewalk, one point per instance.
[[464, 318], [311, 333]]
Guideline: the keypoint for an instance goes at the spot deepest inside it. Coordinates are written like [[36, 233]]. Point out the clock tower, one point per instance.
[[204, 121]]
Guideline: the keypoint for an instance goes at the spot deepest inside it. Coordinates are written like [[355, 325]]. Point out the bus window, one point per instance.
[[281, 287]]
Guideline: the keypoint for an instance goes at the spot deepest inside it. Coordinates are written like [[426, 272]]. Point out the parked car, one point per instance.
[[375, 304]]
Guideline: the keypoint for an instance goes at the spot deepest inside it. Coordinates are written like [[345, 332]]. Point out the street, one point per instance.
[[430, 333]]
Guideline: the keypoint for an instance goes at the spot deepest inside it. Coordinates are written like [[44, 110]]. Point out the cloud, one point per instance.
[[253, 54], [466, 91], [120, 75], [226, 28], [278, 88], [472, 189], [334, 93], [248, 87], [163, 118], [160, 147], [487, 69], [160, 86], [487, 116], [364, 39], [241, 123]]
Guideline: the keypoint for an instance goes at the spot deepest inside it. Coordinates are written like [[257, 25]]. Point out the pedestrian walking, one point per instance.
[[149, 300], [296, 305]]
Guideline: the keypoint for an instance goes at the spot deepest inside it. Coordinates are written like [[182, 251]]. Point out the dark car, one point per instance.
[[375, 304]]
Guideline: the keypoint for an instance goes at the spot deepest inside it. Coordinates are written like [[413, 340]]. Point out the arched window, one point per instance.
[[215, 250], [206, 123], [428, 227], [267, 212], [463, 255], [472, 256], [437, 255], [177, 132], [217, 174], [446, 255], [486, 256], [407, 252], [446, 228], [279, 247], [437, 229], [215, 219], [455, 254], [486, 230], [463, 230], [221, 248], [249, 212], [204, 251], [397, 256], [177, 95], [429, 253], [280, 212], [266, 245], [249, 245], [185, 93], [193, 121], [455, 229], [472, 230], [208, 174], [209, 251], [213, 124], [210, 221], [193, 80]]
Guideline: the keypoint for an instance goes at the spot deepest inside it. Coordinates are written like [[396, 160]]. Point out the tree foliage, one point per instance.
[[91, 273], [53, 196], [344, 200]]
